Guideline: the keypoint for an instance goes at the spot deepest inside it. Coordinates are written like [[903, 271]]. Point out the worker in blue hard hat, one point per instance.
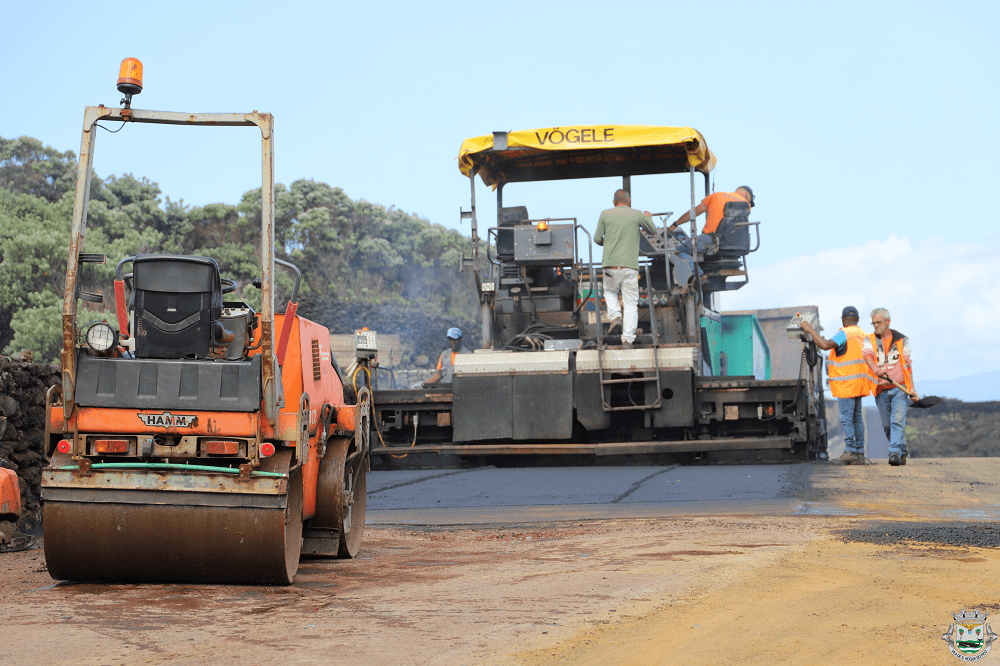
[[446, 362]]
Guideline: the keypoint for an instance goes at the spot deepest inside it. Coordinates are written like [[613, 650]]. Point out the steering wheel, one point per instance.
[[228, 285]]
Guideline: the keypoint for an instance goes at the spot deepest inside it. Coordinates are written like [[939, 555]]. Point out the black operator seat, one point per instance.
[[734, 241], [509, 217], [177, 301]]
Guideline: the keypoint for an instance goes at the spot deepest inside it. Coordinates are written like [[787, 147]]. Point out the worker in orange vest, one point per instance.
[[887, 353], [850, 380], [445, 371]]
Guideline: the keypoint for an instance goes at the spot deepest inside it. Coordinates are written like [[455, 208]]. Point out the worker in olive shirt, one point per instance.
[[618, 232]]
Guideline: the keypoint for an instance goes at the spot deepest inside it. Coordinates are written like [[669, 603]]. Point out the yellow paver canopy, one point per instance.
[[584, 151]]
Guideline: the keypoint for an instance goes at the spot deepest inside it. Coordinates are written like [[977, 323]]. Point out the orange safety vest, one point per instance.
[[907, 375], [849, 375]]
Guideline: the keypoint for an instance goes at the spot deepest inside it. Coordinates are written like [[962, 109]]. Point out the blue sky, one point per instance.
[[866, 129]]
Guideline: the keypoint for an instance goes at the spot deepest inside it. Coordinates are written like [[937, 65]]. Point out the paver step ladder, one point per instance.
[[607, 382]]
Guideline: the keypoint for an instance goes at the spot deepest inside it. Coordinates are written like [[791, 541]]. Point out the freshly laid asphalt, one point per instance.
[[946, 489], [488, 495]]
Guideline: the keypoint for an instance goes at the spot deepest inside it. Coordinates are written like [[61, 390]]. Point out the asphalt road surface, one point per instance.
[[488, 495]]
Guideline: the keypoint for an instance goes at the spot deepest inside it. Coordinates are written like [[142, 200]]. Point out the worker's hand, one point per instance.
[[647, 213], [914, 397], [806, 326]]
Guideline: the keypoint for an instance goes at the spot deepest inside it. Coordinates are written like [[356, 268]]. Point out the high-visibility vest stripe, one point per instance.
[[846, 378], [844, 364]]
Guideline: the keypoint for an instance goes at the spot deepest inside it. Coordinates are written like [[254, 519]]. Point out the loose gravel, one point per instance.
[[977, 535]]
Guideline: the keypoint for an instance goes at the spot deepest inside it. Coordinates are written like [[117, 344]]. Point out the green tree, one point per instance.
[[34, 236], [346, 249], [27, 165]]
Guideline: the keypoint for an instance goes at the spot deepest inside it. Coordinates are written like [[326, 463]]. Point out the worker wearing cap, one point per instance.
[[850, 380], [714, 204], [887, 353], [618, 232], [446, 362]]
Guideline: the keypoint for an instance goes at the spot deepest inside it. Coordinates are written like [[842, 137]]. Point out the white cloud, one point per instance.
[[945, 296]]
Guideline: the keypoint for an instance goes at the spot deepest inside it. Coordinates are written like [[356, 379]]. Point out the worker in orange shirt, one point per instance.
[[446, 362], [714, 204]]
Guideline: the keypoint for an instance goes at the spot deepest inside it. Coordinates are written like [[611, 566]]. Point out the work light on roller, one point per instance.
[[101, 337]]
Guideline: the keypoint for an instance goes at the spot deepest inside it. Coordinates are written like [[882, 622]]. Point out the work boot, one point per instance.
[[626, 345], [849, 458], [615, 325], [894, 459], [902, 459]]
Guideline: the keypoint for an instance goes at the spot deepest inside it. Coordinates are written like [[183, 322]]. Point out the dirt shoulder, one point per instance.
[[828, 602]]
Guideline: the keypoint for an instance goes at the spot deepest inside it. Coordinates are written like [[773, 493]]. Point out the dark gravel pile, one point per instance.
[[22, 428], [978, 535], [419, 333]]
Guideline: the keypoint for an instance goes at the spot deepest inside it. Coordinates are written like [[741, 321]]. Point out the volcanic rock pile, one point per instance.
[[954, 429], [22, 428]]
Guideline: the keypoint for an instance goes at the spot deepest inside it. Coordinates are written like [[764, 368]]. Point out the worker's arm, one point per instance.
[[647, 221], [908, 367], [868, 353], [436, 377], [599, 233], [686, 217], [821, 342]]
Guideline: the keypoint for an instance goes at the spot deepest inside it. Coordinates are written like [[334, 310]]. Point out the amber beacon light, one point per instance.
[[130, 79]]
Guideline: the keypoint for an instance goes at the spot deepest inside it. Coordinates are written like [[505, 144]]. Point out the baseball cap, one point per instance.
[[456, 333], [850, 311]]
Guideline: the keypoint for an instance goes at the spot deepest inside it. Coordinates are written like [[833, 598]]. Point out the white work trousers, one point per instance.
[[626, 281]]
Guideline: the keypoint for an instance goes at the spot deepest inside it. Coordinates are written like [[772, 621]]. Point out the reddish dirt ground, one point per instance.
[[720, 589]]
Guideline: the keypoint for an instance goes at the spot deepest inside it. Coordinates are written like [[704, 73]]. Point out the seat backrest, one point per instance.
[[176, 300], [733, 240]]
